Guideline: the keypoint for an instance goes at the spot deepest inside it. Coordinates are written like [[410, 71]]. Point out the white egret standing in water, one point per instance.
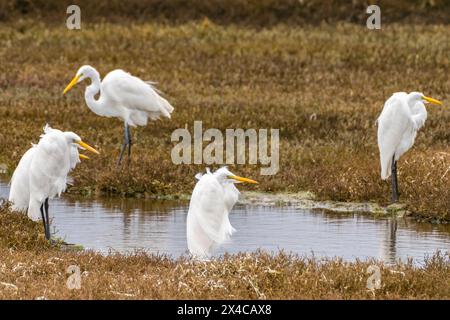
[[402, 116], [42, 173], [208, 224], [122, 96]]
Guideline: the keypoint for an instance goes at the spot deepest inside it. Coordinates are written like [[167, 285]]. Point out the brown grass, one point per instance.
[[30, 269], [257, 13], [322, 86]]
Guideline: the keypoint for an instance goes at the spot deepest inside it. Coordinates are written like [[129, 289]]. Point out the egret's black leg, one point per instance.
[[129, 143], [395, 193], [124, 145], [47, 219], [44, 222]]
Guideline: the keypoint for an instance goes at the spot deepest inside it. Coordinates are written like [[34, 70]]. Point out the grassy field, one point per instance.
[[322, 86], [256, 13], [31, 269]]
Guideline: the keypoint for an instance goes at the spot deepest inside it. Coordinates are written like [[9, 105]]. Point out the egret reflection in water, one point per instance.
[[389, 244]]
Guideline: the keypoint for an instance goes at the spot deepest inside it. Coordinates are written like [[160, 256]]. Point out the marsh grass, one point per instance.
[[322, 85], [257, 13], [30, 269]]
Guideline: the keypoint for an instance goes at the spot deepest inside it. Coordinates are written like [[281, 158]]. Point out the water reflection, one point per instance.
[[389, 243], [159, 227]]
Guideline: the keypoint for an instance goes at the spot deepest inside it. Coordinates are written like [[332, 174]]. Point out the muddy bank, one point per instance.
[[308, 201]]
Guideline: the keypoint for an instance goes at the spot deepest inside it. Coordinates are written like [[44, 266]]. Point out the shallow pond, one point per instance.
[[159, 227]]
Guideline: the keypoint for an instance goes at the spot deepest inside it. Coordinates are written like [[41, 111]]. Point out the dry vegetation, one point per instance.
[[309, 68], [322, 84], [30, 269], [257, 13]]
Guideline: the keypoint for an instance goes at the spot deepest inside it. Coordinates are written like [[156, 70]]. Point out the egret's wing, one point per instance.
[[394, 122], [206, 216], [19, 194], [133, 93], [50, 166], [231, 195], [210, 207]]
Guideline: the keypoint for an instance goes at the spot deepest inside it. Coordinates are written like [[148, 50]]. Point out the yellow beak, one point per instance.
[[72, 83], [433, 101], [241, 179], [82, 156], [87, 147]]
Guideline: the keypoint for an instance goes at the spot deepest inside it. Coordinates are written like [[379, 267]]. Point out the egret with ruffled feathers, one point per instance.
[[42, 173]]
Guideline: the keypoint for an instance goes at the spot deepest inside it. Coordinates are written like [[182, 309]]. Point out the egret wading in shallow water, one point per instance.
[[402, 116], [122, 96], [42, 173], [208, 224]]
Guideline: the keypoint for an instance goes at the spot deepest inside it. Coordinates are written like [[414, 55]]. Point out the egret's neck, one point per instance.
[[91, 91]]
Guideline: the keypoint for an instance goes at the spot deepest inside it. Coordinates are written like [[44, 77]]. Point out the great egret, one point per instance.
[[213, 198], [42, 173], [122, 96], [402, 116]]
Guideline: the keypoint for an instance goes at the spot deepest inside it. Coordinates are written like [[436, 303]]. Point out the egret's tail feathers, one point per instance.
[[34, 210], [386, 165], [19, 191], [203, 238], [18, 197], [18, 206], [153, 85], [385, 174], [199, 244], [167, 107], [19, 201], [164, 110]]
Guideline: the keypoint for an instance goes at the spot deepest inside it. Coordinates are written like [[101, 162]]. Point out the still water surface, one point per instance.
[[159, 227]]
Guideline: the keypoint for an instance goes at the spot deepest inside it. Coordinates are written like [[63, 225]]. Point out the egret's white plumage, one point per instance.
[[19, 193], [208, 223], [123, 96], [402, 116], [42, 173]]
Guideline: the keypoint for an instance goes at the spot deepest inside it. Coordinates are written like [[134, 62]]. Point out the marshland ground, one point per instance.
[[32, 269], [312, 70]]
